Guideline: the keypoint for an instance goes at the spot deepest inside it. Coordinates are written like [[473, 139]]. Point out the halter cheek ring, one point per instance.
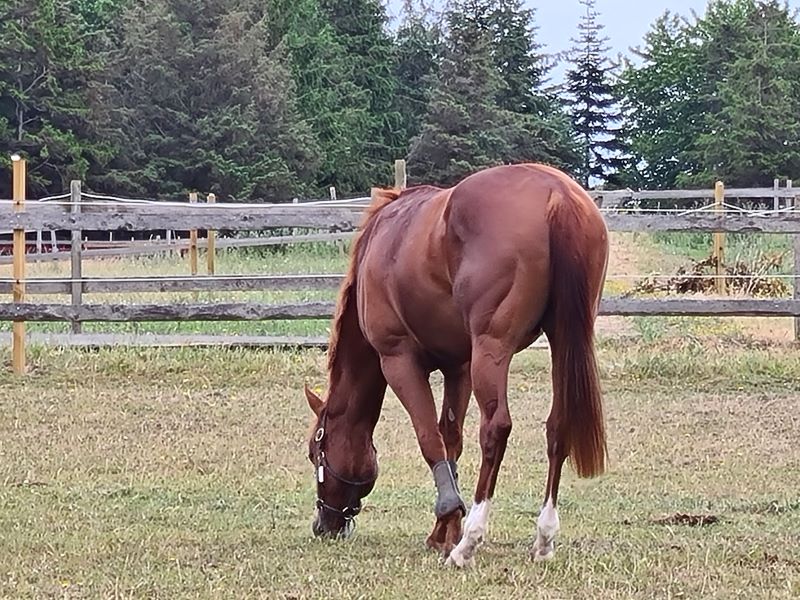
[[350, 511]]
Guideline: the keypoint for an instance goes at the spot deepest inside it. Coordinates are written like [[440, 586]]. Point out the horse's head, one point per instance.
[[344, 472]]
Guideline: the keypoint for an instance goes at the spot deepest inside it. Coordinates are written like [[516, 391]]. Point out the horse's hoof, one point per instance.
[[544, 554], [456, 559]]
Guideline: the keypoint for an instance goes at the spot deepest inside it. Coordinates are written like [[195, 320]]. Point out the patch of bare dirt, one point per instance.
[[687, 519]]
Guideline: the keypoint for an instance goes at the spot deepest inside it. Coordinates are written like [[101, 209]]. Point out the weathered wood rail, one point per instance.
[[217, 283], [253, 311], [121, 249], [222, 216], [138, 217], [327, 222]]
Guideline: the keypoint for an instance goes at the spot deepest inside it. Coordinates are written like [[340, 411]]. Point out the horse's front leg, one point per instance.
[[457, 389], [410, 382]]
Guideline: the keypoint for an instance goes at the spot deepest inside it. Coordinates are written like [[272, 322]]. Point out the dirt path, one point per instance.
[[625, 259]]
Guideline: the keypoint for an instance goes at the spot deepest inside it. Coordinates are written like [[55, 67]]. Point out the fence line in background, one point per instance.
[[338, 220], [254, 311]]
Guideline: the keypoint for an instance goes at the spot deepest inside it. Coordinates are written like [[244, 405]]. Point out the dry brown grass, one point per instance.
[[182, 474]]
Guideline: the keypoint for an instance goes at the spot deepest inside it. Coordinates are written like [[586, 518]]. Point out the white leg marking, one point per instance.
[[475, 528], [547, 528]]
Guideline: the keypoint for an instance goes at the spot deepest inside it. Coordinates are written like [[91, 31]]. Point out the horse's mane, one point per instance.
[[381, 197]]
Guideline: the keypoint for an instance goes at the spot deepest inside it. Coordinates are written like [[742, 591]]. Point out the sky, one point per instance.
[[625, 21]]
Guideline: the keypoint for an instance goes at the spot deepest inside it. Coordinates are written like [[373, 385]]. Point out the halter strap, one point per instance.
[[348, 512]]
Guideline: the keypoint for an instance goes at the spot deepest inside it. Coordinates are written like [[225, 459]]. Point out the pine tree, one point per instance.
[[593, 103], [516, 56], [417, 45], [462, 114], [361, 28], [47, 75], [231, 128], [466, 128], [330, 97]]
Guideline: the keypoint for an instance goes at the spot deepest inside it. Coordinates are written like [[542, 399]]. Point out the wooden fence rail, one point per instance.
[[253, 311], [218, 283], [221, 216], [121, 249], [139, 217], [335, 221]]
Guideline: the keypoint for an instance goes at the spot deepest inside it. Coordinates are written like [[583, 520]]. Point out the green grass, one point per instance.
[[745, 247], [299, 259], [182, 473]]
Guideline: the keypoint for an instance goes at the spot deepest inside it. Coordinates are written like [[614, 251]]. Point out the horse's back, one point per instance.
[[514, 199], [471, 260], [405, 293]]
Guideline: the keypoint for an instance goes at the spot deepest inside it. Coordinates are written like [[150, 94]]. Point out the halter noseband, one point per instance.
[[322, 466]]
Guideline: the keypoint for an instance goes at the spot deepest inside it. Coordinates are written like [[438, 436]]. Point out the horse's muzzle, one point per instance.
[[323, 529]]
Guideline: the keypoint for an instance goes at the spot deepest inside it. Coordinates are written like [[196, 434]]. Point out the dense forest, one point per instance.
[[273, 99]]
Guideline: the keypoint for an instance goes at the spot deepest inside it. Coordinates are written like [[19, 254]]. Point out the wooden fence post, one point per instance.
[[193, 240], [719, 241], [400, 178], [211, 251], [776, 201], [796, 244], [75, 253], [18, 334]]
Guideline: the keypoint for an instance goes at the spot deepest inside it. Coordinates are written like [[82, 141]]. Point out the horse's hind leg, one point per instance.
[[548, 523], [490, 364], [457, 391]]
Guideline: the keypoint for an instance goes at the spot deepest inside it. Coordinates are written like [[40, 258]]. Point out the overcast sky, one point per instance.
[[625, 21]]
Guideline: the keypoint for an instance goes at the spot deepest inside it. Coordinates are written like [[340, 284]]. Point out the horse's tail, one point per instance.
[[578, 240]]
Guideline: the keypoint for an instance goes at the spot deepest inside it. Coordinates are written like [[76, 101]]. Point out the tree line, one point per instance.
[[274, 99]]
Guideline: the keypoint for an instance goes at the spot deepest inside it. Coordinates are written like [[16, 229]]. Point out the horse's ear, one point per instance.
[[314, 401]]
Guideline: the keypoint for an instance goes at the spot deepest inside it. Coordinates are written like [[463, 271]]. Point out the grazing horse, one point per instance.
[[459, 280]]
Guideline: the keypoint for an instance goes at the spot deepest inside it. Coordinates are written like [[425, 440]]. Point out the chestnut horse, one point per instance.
[[459, 280]]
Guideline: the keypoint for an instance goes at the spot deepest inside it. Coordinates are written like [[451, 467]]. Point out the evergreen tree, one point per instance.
[[465, 128], [231, 127], [593, 104], [417, 48], [47, 75], [98, 15], [337, 108], [462, 110], [361, 28], [714, 97], [663, 109], [516, 56]]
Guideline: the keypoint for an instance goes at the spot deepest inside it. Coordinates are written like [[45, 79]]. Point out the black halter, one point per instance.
[[322, 466]]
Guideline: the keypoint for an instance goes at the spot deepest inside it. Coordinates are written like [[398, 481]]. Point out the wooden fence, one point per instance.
[[333, 220]]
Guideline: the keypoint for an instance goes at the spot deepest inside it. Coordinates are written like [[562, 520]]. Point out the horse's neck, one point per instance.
[[357, 385]]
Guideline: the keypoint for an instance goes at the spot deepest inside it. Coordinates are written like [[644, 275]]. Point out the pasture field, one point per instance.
[[183, 474], [633, 257], [305, 258]]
